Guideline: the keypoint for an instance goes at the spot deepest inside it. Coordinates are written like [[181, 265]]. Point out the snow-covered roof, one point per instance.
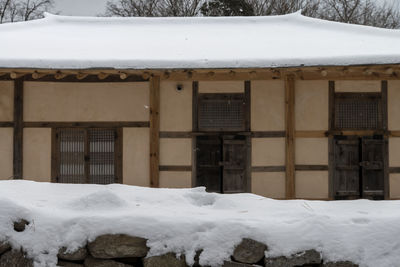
[[59, 42]]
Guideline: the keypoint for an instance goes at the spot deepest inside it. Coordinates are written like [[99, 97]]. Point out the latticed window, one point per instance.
[[87, 156], [221, 112], [358, 112]]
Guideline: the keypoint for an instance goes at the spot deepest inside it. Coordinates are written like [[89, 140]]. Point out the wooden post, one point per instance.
[[18, 128], [290, 135], [154, 131]]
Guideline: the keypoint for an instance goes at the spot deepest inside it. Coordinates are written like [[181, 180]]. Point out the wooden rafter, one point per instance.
[[365, 72]]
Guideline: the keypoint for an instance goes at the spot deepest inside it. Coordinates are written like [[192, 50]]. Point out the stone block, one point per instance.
[[4, 247], [118, 246], [249, 251], [19, 226], [92, 262], [339, 264], [69, 264], [169, 260], [15, 259], [78, 255], [302, 258]]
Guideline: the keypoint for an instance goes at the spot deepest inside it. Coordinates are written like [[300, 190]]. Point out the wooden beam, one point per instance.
[[81, 75], [6, 124], [123, 76], [360, 133], [14, 75], [36, 75], [290, 135], [18, 129], [176, 168], [312, 167], [195, 95], [247, 99], [176, 135], [268, 134], [102, 75], [94, 124], [311, 134], [154, 131], [60, 75], [268, 169]]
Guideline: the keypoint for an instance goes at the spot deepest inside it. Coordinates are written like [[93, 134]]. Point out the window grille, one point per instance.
[[358, 113], [102, 156], [221, 112], [87, 156], [72, 156]]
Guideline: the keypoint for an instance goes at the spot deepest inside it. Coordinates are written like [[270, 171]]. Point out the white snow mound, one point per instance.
[[187, 220]]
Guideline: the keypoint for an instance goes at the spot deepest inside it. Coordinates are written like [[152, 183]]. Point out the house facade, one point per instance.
[[327, 128]]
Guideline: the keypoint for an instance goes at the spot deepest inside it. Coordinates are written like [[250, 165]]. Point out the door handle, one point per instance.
[[365, 164], [371, 165]]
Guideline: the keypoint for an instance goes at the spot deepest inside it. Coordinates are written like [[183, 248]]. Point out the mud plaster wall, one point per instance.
[[268, 184], [312, 184], [176, 107], [267, 106], [136, 161], [86, 101], [6, 153], [311, 105], [37, 154], [6, 101]]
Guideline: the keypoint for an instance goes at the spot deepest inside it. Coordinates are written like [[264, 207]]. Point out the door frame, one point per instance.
[[333, 131], [246, 132]]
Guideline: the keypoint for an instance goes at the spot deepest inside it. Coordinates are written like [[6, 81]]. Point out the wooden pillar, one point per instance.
[[290, 135], [18, 128], [154, 131]]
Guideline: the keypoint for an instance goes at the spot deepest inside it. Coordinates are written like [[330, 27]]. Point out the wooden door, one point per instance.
[[372, 166], [221, 163], [347, 168], [359, 168]]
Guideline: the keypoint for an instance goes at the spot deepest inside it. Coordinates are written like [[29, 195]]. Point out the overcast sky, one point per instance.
[[94, 7]]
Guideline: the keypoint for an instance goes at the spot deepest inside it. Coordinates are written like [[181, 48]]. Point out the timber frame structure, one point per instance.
[[289, 76]]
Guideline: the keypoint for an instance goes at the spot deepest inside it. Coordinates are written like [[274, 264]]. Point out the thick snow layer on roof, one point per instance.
[[187, 220], [59, 42]]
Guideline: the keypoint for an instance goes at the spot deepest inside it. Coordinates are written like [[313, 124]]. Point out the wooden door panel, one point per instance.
[[208, 161], [347, 168], [235, 155], [373, 151]]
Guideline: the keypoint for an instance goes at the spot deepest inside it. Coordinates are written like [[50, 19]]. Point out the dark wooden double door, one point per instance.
[[221, 163], [359, 167]]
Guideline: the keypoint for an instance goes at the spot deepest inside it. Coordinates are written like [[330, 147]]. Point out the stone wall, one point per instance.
[[123, 251]]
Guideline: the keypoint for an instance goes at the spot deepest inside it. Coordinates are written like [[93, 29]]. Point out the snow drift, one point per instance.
[[187, 220]]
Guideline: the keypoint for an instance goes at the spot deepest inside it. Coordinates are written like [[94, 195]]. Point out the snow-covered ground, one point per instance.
[[187, 220]]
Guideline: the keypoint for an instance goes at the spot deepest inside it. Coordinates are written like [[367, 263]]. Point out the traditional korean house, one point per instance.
[[284, 107]]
